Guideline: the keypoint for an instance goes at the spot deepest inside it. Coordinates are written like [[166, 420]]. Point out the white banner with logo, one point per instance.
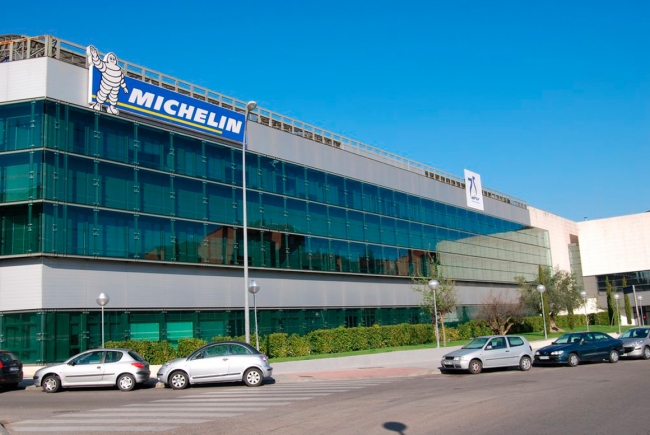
[[473, 190]]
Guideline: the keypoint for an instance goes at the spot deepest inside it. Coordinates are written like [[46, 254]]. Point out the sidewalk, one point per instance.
[[378, 365]]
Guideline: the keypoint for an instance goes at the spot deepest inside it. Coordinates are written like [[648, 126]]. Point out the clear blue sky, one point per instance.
[[549, 101]]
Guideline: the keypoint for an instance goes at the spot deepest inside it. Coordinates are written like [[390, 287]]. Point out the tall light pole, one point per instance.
[[618, 313], [247, 323], [433, 285], [253, 288], [584, 299], [102, 300], [640, 310], [541, 289]]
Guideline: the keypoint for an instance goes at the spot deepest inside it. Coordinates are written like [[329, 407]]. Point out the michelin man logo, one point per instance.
[[111, 82]]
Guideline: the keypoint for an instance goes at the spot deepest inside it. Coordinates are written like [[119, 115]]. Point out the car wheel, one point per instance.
[[125, 382], [646, 353], [178, 381], [525, 363], [475, 366], [253, 377], [51, 384], [613, 356], [574, 360]]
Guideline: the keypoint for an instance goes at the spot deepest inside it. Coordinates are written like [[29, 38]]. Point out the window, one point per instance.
[[113, 356], [89, 358], [515, 341]]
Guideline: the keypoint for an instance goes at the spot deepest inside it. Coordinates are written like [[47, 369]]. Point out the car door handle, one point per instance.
[[99, 367]]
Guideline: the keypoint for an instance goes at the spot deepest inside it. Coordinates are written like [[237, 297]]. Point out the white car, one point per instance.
[[226, 361], [123, 368], [490, 352]]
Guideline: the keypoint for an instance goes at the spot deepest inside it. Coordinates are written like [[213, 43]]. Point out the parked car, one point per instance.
[[575, 347], [636, 343], [11, 370], [98, 367], [490, 352], [227, 361]]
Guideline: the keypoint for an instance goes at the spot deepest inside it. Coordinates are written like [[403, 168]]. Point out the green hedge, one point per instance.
[[338, 340]]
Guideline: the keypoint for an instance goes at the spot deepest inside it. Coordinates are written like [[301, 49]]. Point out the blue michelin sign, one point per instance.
[[109, 88]]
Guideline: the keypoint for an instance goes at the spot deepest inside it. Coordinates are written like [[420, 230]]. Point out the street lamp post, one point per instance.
[[584, 299], [541, 289], [433, 285], [618, 313], [253, 288], [639, 298], [247, 323], [102, 300]]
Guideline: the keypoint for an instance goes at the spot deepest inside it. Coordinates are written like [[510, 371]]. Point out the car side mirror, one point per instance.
[[71, 363], [488, 347], [554, 342]]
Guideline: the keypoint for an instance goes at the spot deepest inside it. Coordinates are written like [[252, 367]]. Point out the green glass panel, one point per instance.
[[275, 216], [297, 216], [153, 147], [294, 180], [335, 192], [318, 224], [145, 331], [114, 234], [221, 203], [221, 163], [315, 185], [178, 330], [155, 193], [116, 139], [338, 227], [188, 156], [117, 186], [189, 198], [155, 239]]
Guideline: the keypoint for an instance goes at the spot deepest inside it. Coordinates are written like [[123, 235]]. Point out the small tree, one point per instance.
[[626, 301], [501, 314], [611, 303], [446, 297], [562, 293]]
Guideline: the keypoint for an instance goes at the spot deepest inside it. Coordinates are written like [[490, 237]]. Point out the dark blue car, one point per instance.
[[580, 346]]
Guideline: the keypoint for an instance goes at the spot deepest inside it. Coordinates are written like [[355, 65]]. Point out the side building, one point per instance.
[[150, 213]]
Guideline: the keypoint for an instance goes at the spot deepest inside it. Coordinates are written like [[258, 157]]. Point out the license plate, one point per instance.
[[13, 369], [543, 357]]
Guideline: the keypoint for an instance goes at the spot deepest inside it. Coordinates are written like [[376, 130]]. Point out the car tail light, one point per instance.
[[1, 365], [138, 365], [264, 358]]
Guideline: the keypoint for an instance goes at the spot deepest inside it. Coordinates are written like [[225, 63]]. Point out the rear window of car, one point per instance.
[[113, 356], [136, 356], [515, 341], [6, 357], [236, 349]]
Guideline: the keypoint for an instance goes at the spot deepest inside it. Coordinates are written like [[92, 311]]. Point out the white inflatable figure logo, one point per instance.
[[112, 80]]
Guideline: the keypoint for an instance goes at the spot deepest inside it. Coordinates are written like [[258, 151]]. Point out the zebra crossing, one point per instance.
[[201, 407]]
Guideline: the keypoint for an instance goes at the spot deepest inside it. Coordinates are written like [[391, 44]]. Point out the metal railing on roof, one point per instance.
[[18, 47]]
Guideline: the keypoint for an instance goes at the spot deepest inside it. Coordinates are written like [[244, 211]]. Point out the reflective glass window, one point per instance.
[[81, 131], [318, 224], [388, 231], [356, 226], [319, 254], [223, 164], [116, 186], [354, 194], [19, 124], [270, 175], [275, 217], [155, 193], [189, 198], [153, 147], [338, 222], [189, 241], [20, 176], [371, 202], [221, 203], [372, 228], [297, 215], [115, 139], [335, 190], [114, 234], [315, 185], [295, 183], [155, 238], [188, 156], [387, 202], [339, 250], [80, 180]]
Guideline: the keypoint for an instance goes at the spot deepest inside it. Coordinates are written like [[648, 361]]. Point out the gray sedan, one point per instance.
[[490, 352], [227, 361], [636, 343], [98, 367]]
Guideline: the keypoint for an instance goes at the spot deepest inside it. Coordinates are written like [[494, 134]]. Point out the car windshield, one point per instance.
[[568, 338], [635, 333], [477, 343]]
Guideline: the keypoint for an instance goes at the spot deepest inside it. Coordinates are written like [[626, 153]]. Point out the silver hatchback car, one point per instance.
[[98, 367], [226, 361], [636, 343], [490, 352]]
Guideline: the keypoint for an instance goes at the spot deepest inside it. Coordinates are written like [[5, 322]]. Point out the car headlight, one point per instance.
[[557, 352], [638, 344], [537, 353]]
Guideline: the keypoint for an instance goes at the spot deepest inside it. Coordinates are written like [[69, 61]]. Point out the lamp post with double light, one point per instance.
[[618, 313], [541, 289], [102, 300], [253, 288], [641, 322], [247, 323], [433, 285], [584, 299]]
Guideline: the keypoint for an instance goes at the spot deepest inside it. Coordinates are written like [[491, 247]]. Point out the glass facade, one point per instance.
[[75, 182], [78, 182]]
